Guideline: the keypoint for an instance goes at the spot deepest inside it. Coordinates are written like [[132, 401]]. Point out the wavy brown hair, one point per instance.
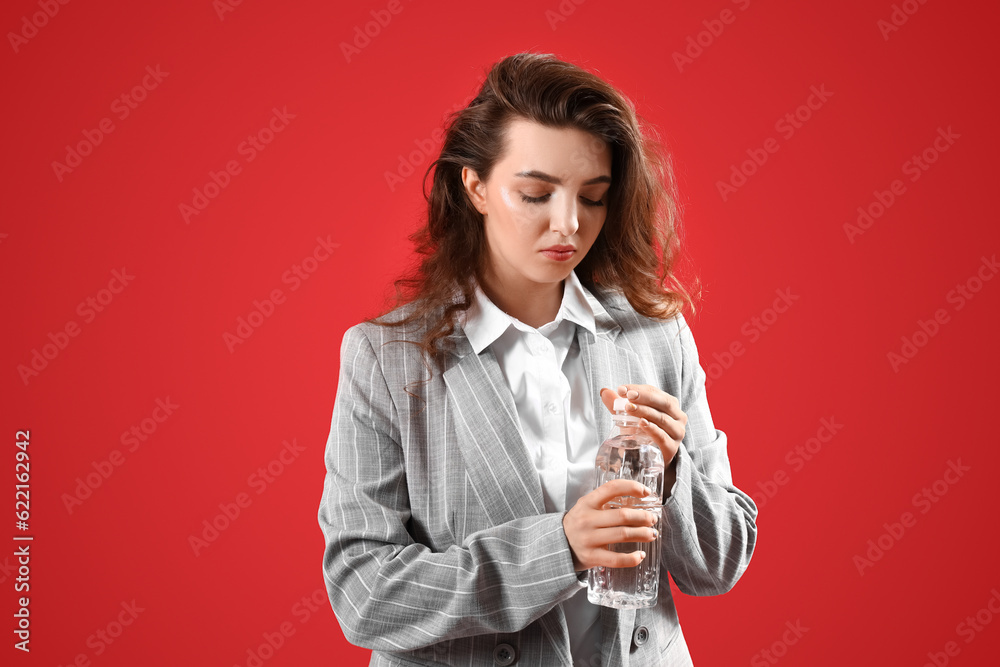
[[637, 247]]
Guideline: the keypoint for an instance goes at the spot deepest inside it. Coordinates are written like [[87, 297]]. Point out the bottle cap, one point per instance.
[[621, 404]]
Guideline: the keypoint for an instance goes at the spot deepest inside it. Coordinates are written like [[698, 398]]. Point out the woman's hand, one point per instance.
[[589, 528], [660, 414], [661, 418]]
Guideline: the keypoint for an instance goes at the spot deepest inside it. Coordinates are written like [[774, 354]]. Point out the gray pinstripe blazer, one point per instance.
[[438, 549]]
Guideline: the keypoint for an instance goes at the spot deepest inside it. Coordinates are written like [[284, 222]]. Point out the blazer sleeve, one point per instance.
[[391, 593], [710, 525]]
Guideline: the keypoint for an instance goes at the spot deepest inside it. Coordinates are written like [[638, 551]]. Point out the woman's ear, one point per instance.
[[474, 188]]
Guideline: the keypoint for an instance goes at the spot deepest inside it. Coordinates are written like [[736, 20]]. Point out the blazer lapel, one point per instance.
[[607, 364], [489, 436]]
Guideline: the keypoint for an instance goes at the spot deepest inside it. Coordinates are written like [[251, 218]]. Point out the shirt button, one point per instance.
[[551, 407], [504, 655]]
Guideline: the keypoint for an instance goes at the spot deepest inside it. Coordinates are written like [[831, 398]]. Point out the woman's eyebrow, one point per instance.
[[542, 176]]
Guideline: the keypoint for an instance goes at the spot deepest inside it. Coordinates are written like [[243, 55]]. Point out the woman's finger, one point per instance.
[[613, 489], [673, 428], [618, 534], [605, 558], [623, 516], [668, 444], [655, 398]]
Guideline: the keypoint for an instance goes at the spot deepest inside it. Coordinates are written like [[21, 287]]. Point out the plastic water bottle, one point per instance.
[[630, 454]]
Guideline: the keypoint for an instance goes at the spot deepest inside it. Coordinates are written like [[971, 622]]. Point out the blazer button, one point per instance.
[[504, 655], [640, 636]]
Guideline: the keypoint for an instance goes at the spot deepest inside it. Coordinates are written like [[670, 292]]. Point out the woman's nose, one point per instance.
[[564, 220]]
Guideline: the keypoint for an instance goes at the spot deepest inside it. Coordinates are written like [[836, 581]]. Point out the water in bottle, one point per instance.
[[630, 454]]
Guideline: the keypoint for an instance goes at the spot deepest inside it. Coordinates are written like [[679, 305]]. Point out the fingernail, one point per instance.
[[642, 555], [656, 533], [644, 422], [631, 406]]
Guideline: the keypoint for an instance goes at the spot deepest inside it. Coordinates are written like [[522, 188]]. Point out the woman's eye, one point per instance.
[[534, 200], [537, 200]]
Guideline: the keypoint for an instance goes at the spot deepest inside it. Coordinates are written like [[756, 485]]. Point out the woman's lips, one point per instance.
[[558, 255]]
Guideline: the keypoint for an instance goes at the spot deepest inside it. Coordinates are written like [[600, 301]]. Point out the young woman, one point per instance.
[[458, 508]]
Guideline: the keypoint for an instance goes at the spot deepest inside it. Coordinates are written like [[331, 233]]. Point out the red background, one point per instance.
[[324, 175]]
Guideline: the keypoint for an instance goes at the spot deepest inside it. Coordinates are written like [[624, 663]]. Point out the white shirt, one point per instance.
[[555, 408]]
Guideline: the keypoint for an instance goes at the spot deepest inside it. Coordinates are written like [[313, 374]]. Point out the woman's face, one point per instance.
[[544, 205]]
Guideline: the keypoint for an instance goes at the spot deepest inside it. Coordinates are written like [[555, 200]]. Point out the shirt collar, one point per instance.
[[484, 322]]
